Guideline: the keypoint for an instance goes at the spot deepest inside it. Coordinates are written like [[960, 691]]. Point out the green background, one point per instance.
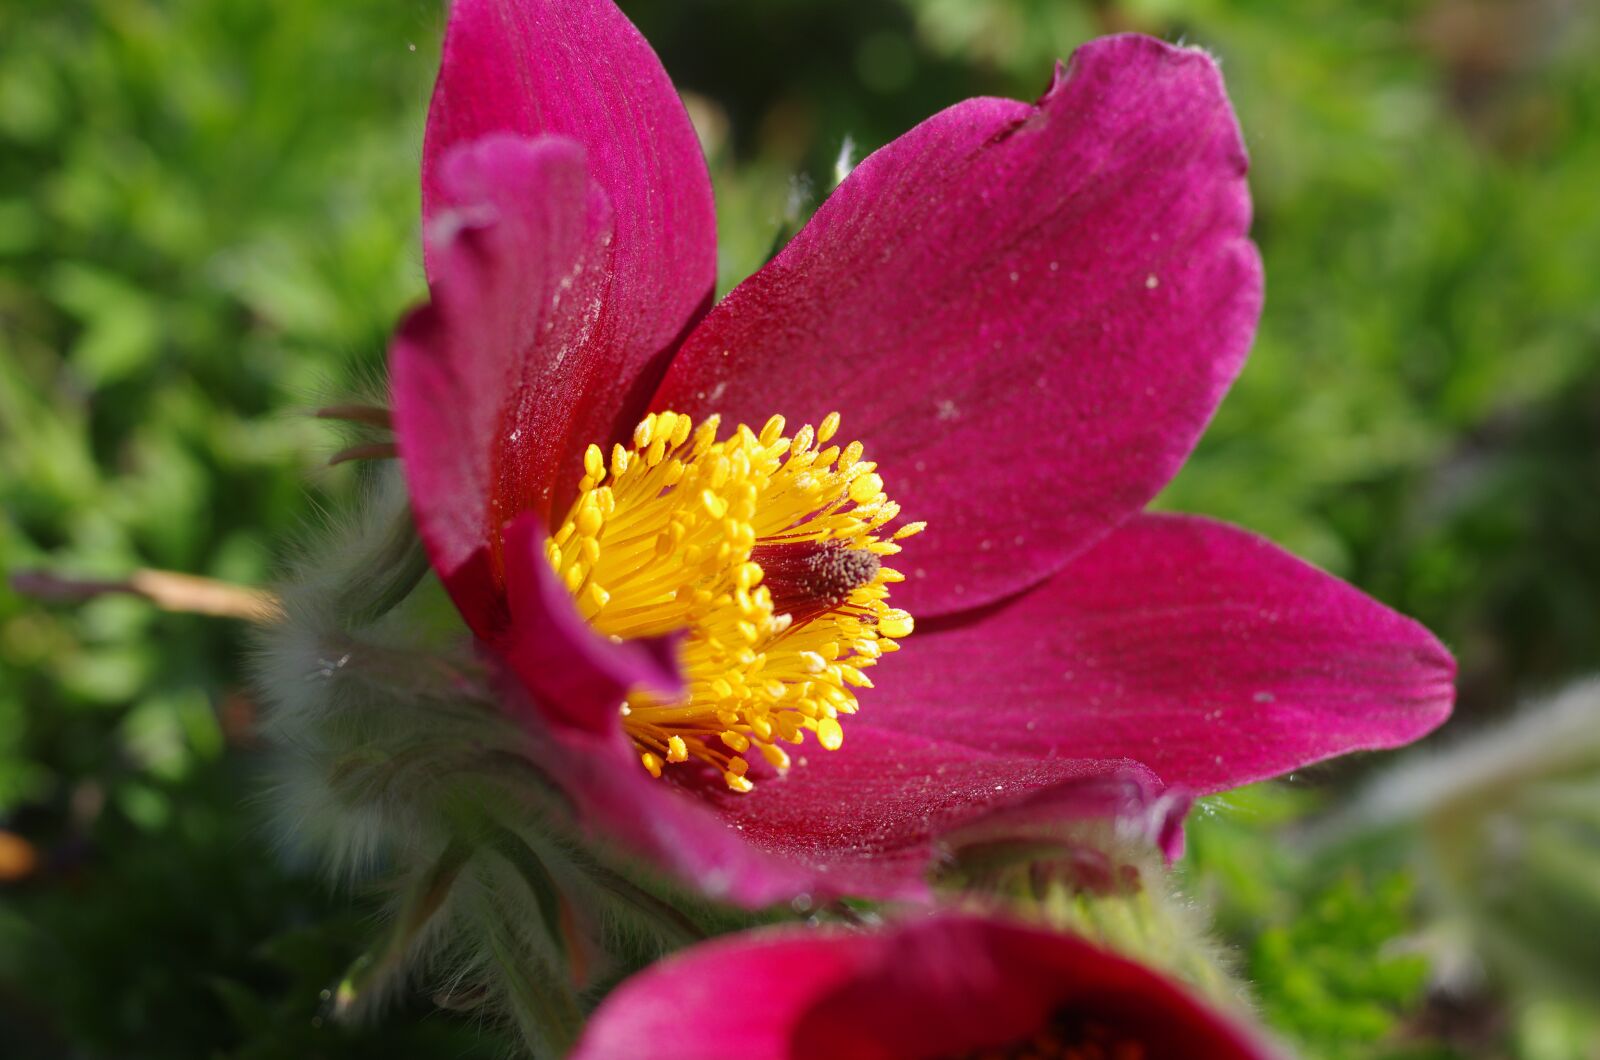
[[208, 223]]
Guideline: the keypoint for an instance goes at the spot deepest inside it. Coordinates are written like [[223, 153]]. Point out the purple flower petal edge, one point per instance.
[[579, 69], [1204, 652], [520, 246]]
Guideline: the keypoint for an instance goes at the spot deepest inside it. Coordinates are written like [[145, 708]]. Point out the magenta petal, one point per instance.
[[579, 69], [869, 819], [482, 376], [1204, 652], [574, 675], [949, 985], [1028, 314]]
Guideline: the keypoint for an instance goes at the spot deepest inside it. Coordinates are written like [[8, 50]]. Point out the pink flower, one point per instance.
[[1027, 313], [951, 985]]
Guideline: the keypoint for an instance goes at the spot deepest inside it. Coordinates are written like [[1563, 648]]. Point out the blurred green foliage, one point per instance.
[[208, 224], [1329, 949]]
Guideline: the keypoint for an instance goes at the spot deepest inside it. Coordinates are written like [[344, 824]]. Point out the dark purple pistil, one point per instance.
[[808, 579]]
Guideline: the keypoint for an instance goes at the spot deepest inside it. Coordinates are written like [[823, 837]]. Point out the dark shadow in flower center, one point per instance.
[[1070, 1035]]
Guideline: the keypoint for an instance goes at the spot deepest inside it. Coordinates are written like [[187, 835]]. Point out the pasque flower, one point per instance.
[[947, 986], [655, 513]]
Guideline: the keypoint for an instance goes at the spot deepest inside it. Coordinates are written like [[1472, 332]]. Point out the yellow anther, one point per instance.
[[645, 431], [890, 576], [706, 434], [866, 488], [716, 506], [828, 427], [772, 430], [896, 623], [652, 762], [851, 454], [836, 695], [853, 676], [788, 725], [830, 734], [802, 440], [738, 741], [590, 520], [748, 575], [909, 530], [776, 756], [737, 782], [594, 463], [666, 427], [677, 750], [812, 663], [619, 461]]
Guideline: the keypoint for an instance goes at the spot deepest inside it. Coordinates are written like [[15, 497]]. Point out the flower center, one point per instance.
[[1071, 1037], [766, 550]]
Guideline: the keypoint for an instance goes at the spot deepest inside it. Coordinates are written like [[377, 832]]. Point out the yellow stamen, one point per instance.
[[764, 549]]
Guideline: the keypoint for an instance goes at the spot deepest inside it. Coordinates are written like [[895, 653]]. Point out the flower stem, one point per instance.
[[554, 911], [168, 590], [375, 968], [547, 1015]]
